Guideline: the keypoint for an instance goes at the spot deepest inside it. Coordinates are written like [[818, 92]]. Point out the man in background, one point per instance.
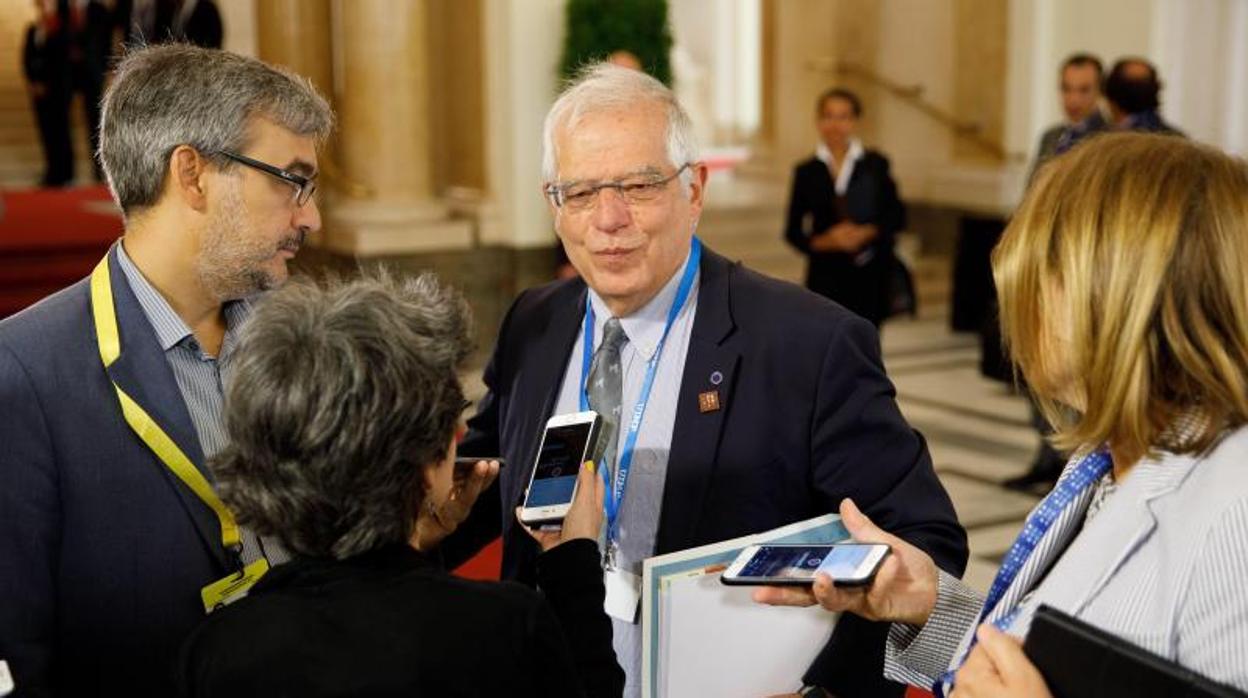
[[1080, 88], [1133, 90]]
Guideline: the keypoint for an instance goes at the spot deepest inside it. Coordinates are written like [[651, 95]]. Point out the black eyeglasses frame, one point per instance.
[[305, 187]]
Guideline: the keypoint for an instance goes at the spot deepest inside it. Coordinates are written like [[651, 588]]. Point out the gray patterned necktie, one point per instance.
[[606, 390]]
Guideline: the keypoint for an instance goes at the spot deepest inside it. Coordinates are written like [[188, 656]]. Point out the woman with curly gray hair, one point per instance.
[[343, 416]]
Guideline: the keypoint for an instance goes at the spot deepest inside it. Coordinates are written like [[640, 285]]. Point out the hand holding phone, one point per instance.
[[904, 588], [435, 525], [585, 516], [846, 564], [567, 442]]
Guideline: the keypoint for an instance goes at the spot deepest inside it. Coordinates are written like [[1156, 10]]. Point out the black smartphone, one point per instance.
[[464, 464]]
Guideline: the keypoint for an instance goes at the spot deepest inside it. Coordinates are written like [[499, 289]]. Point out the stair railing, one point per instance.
[[969, 131]]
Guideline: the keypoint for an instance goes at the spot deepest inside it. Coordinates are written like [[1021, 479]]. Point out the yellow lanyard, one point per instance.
[[148, 430]]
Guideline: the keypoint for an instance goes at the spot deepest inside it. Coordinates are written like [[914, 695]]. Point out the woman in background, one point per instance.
[[844, 212]]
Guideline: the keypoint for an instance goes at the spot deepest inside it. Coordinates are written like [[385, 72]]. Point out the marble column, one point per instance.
[[296, 34], [389, 205]]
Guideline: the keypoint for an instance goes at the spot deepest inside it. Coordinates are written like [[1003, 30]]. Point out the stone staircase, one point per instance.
[[744, 220]]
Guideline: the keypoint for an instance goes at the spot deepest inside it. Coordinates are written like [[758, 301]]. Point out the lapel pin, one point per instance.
[[717, 378], [708, 401]]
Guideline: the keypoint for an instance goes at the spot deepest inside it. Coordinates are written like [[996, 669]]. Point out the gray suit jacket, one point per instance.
[[1051, 140], [103, 551], [1046, 150], [1163, 566]]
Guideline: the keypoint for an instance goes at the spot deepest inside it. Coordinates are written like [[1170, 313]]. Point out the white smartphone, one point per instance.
[[568, 442], [848, 564]]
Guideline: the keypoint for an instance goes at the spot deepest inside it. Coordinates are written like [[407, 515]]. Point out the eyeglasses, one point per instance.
[[305, 187], [635, 189]]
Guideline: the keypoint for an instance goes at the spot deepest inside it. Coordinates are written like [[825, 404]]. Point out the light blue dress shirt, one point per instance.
[[639, 515]]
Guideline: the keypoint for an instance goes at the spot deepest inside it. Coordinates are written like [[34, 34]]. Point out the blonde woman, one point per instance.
[[1123, 281]]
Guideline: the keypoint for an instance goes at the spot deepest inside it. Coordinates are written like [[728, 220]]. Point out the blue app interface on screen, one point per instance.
[[802, 561], [555, 477]]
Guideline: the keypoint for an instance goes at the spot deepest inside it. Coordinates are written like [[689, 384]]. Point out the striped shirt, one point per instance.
[[201, 378], [919, 654], [639, 515]]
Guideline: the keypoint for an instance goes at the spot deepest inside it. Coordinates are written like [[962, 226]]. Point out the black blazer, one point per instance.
[[103, 551], [392, 623], [871, 198], [807, 418]]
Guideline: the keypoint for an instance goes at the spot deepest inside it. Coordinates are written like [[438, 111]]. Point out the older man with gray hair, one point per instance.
[[752, 403], [113, 543]]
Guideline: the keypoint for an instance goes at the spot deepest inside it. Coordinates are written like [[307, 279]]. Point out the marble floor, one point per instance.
[[977, 430]]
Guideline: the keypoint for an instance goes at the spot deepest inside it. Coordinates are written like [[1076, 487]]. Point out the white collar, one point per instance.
[[853, 154], [845, 170]]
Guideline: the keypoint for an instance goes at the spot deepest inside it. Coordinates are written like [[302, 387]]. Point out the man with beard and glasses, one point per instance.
[[113, 542]]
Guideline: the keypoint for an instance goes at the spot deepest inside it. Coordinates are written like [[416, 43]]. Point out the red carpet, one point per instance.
[[486, 564], [50, 238]]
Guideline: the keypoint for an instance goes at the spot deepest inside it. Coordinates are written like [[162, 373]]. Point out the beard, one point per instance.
[[235, 259]]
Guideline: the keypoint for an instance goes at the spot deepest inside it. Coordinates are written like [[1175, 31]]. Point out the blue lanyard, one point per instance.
[[615, 493], [1090, 469]]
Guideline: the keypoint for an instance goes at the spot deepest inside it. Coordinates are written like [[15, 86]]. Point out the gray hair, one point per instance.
[[342, 395], [169, 95], [603, 87]]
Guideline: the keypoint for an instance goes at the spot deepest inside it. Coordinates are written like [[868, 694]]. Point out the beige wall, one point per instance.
[[238, 18], [458, 106], [980, 33], [915, 48], [803, 32], [1204, 64]]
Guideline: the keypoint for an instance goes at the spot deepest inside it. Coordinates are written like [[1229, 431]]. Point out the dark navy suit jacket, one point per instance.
[[103, 552], [807, 417]]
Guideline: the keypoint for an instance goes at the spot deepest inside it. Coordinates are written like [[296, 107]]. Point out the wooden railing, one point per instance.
[[969, 131]]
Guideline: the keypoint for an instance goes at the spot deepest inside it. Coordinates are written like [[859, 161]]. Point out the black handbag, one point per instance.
[[902, 299]]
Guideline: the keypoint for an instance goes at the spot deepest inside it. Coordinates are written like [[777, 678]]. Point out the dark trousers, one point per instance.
[[52, 116], [861, 289]]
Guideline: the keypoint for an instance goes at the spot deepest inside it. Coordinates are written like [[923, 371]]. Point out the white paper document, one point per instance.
[[700, 637]]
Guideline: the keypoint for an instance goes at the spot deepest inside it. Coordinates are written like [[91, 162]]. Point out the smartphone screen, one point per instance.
[[798, 562], [554, 476]]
